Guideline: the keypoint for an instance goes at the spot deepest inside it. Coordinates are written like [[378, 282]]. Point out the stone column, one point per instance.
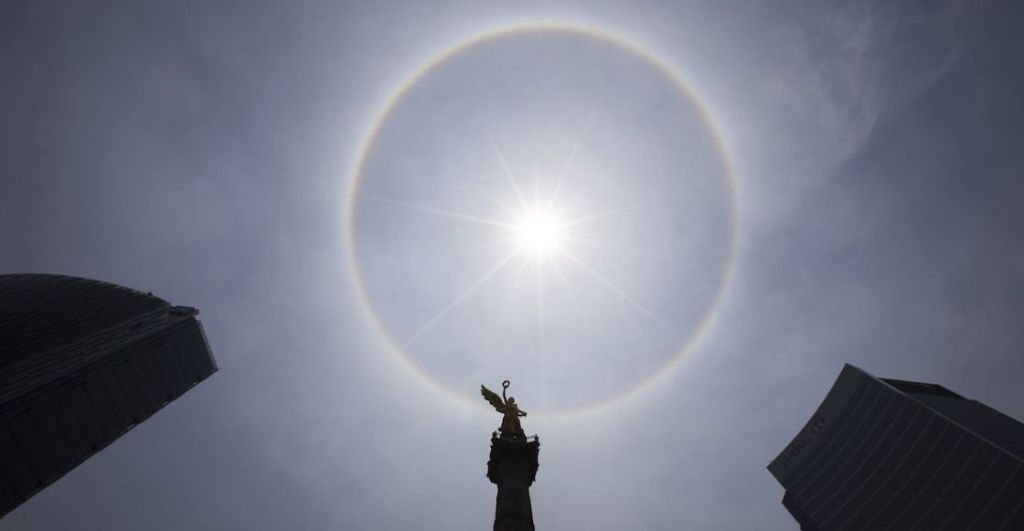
[[513, 467]]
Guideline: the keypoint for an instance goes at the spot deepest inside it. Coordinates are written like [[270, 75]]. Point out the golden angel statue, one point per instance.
[[510, 425]]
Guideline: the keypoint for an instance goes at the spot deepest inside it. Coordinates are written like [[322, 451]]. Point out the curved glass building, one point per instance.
[[892, 454]]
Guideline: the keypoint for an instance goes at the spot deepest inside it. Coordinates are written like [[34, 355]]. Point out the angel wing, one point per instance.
[[493, 398]]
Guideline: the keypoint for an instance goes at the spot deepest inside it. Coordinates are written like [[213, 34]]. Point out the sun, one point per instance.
[[539, 232]]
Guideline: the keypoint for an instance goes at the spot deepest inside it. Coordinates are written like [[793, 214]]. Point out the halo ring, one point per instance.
[[405, 87]]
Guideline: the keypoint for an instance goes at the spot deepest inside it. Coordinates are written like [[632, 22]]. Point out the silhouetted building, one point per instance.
[[891, 454], [513, 467], [82, 362]]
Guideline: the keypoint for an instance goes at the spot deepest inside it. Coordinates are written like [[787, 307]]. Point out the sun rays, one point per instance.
[[539, 221], [532, 229], [455, 302]]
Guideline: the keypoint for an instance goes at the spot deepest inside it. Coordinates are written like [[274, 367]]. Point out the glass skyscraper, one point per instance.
[[82, 362], [891, 454]]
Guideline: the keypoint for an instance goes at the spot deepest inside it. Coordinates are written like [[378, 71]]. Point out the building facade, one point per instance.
[[81, 363], [891, 454]]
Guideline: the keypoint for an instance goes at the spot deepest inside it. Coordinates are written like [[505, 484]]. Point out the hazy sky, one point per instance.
[[206, 153]]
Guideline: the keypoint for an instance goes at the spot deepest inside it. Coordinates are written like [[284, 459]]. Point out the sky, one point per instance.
[[747, 195]]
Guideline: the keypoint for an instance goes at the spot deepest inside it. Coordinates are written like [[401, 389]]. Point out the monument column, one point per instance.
[[513, 464], [513, 467]]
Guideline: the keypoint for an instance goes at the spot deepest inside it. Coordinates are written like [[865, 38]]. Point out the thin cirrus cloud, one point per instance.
[[203, 153]]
